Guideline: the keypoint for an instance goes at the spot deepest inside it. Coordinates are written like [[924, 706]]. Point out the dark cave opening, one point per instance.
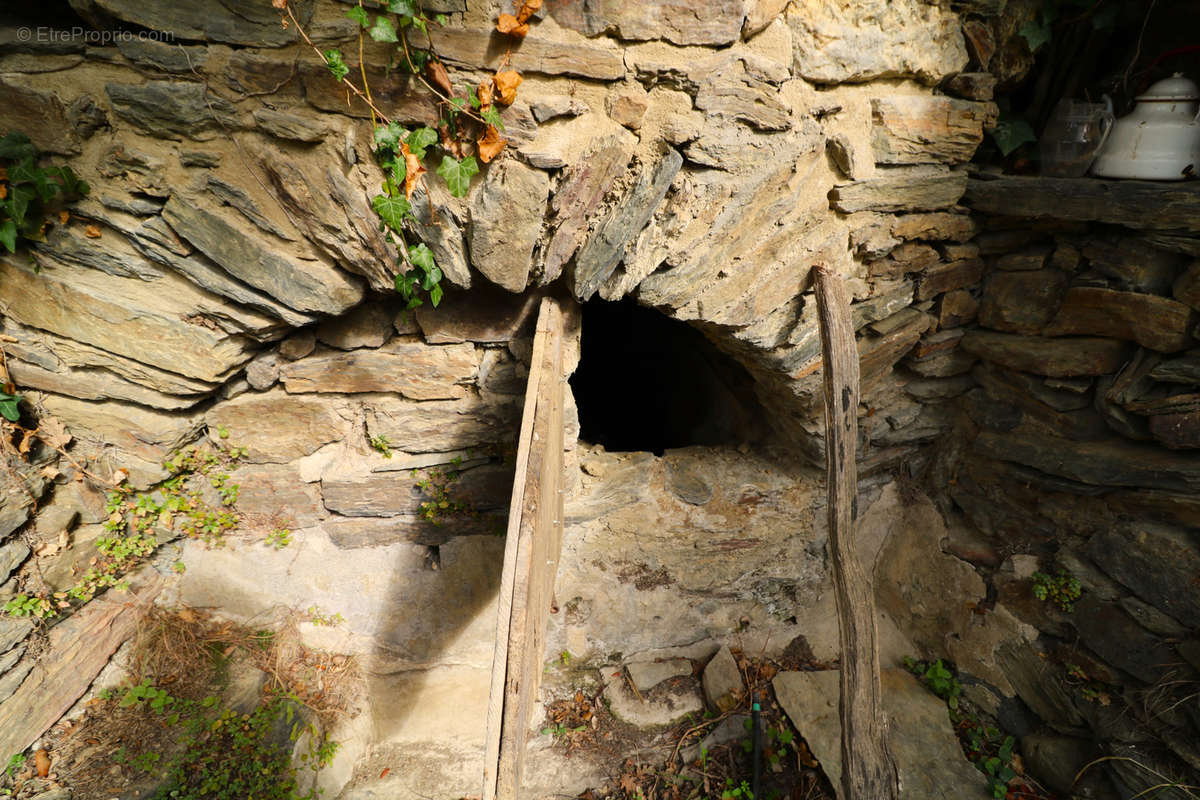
[[646, 382]]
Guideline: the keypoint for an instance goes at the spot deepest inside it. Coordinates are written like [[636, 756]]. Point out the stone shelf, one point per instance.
[[1144, 205]]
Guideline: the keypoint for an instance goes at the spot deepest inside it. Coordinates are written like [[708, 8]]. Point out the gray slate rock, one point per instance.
[[263, 371], [1156, 562], [921, 738], [228, 21], [648, 674], [12, 554], [658, 712], [290, 126], [368, 325], [723, 685], [601, 253], [12, 631], [163, 56], [506, 219], [172, 110], [307, 286]]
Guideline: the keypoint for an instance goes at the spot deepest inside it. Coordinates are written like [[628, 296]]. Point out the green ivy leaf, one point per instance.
[[419, 22], [24, 171], [418, 59], [392, 210], [358, 15], [336, 64], [458, 103], [383, 30], [8, 235], [457, 174], [1036, 33], [420, 139], [8, 403], [16, 146], [1010, 134], [405, 8], [19, 198], [435, 295], [421, 256], [492, 117], [387, 137], [443, 20]]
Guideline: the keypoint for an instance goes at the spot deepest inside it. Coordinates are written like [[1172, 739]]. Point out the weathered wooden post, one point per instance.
[[868, 771]]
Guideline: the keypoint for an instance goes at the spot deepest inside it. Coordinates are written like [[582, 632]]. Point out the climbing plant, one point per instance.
[[31, 196], [467, 130]]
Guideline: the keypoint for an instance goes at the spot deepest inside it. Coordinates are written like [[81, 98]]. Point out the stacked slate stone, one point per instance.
[[1082, 446]]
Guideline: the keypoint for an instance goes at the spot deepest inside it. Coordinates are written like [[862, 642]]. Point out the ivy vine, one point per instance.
[[31, 195], [468, 128]]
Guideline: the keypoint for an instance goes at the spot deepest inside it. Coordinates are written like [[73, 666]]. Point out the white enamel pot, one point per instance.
[[1160, 139]]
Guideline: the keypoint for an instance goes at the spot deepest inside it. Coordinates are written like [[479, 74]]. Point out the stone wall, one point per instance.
[[1076, 450], [227, 274]]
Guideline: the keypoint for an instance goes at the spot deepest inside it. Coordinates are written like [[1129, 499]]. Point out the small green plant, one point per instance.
[[179, 567], [740, 791], [564, 658], [937, 678], [138, 523], [23, 605], [318, 617], [382, 445], [1061, 589], [30, 195], [435, 485], [559, 730], [279, 538], [15, 765]]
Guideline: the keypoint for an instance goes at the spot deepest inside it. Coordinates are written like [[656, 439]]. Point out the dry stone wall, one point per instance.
[[1076, 450], [227, 274]]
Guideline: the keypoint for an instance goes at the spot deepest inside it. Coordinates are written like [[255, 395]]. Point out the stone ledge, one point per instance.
[[1148, 205]]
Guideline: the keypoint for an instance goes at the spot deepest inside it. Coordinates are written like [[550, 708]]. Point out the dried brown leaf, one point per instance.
[[27, 440], [506, 82], [412, 171], [490, 144], [438, 76], [3, 190], [53, 432], [512, 26], [280, 4], [42, 761], [64, 217], [485, 95], [91, 232], [528, 9]]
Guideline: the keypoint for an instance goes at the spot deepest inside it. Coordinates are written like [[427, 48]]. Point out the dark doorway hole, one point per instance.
[[650, 383]]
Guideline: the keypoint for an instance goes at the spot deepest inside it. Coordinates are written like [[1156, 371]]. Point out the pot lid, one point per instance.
[[1176, 87]]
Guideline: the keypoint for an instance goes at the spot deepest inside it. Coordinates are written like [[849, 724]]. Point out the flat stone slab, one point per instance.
[[659, 712], [921, 738], [1056, 358], [648, 674]]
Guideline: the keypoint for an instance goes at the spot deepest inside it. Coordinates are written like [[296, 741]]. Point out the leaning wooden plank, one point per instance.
[[505, 600], [868, 772], [80, 647], [537, 561]]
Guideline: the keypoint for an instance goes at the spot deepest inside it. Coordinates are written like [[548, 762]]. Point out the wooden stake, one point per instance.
[[868, 771]]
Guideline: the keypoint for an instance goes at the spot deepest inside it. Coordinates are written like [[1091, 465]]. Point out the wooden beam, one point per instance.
[[530, 562], [868, 771]]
